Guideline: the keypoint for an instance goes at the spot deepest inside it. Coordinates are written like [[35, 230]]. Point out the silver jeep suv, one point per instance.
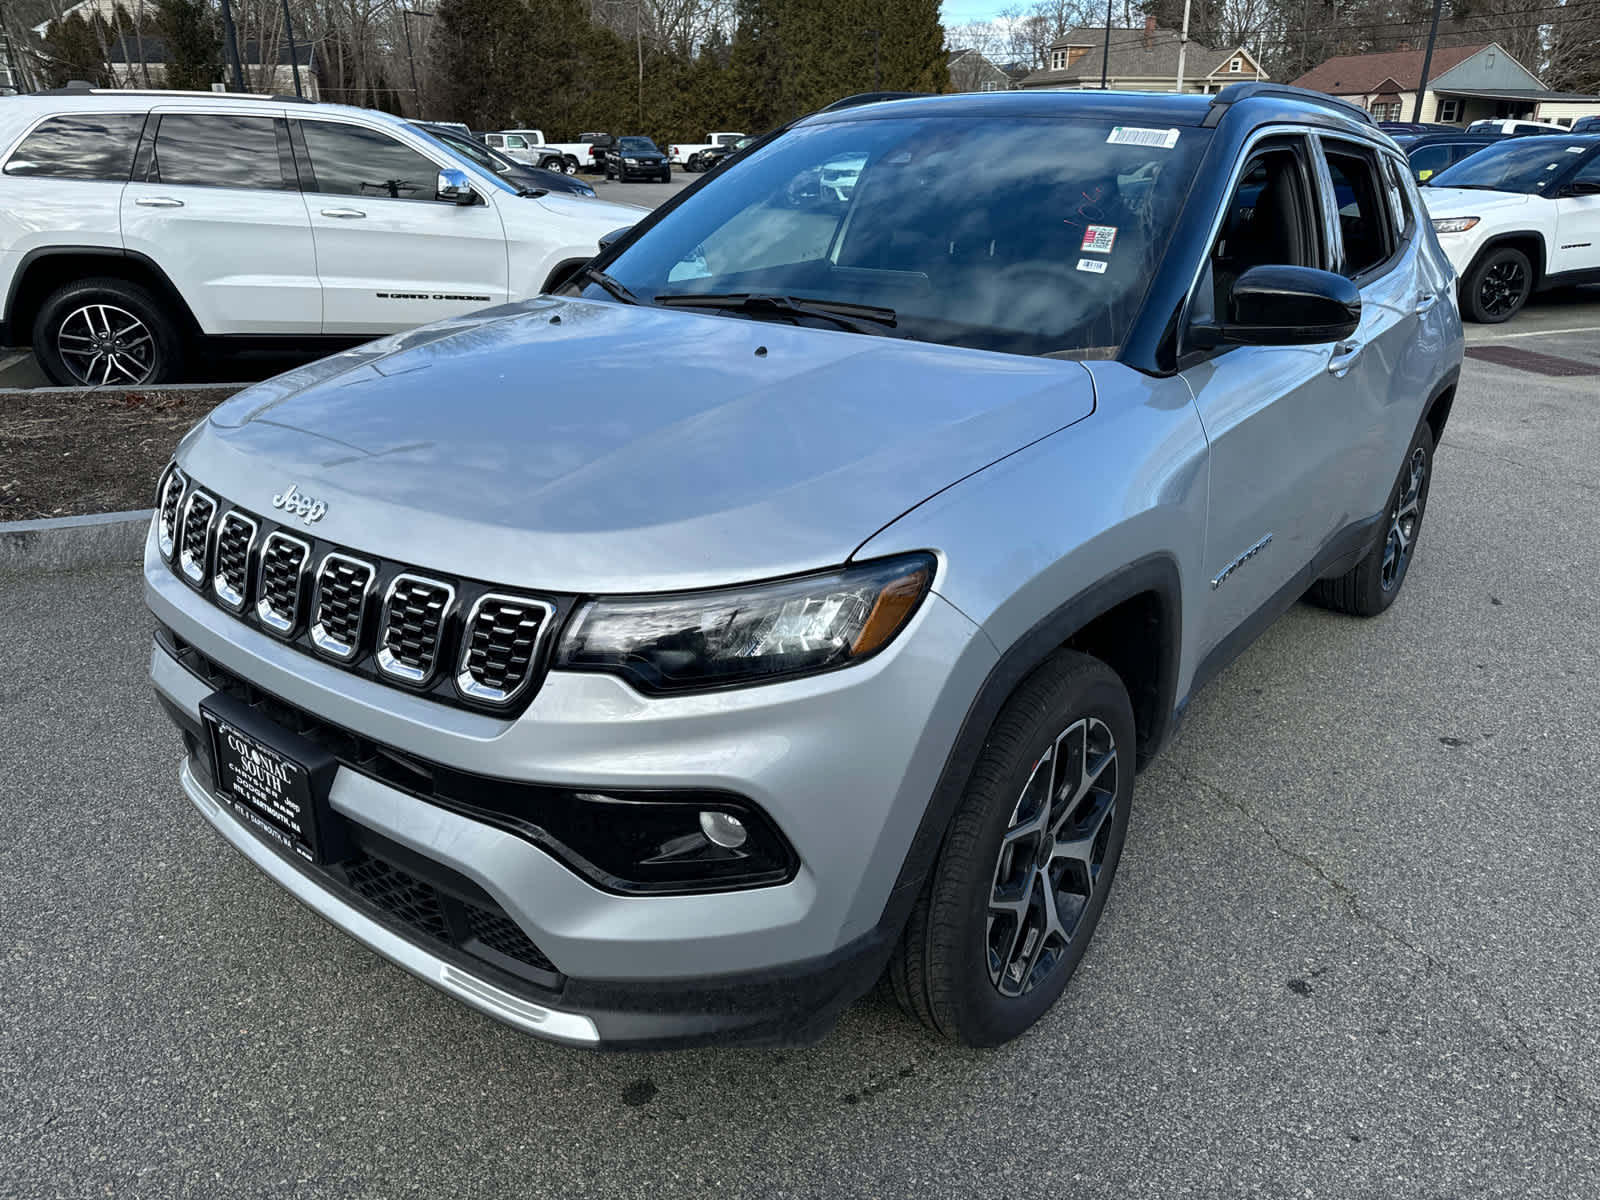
[[793, 598]]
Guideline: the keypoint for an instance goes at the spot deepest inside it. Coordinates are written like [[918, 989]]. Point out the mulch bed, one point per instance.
[[65, 454]]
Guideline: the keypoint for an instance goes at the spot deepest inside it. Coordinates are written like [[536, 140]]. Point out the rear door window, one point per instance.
[[88, 146], [1363, 220], [217, 150]]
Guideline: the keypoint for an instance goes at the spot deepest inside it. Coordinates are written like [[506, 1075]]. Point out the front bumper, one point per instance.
[[843, 764]]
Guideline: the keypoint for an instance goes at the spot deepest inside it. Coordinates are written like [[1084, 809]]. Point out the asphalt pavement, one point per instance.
[[1352, 950]]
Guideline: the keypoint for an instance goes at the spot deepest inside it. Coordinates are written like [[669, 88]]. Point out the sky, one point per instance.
[[964, 12]]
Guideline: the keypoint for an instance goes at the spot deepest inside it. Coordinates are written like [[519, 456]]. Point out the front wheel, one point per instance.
[[1497, 286], [1371, 586], [569, 165], [1027, 865], [101, 332]]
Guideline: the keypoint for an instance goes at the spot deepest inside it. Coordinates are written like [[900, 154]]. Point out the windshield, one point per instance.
[[636, 143], [1030, 235], [1526, 165]]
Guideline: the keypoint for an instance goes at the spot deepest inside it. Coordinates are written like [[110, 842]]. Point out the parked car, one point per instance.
[[1517, 217], [1515, 127], [637, 158], [528, 146], [1399, 129], [135, 226], [691, 156], [824, 638], [1585, 125], [529, 181], [1430, 153]]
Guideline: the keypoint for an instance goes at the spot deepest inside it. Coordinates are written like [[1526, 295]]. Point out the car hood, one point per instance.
[[1467, 202], [584, 446]]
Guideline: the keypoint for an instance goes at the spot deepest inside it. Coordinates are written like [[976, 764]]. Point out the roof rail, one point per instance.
[[79, 87], [1236, 92], [870, 98]]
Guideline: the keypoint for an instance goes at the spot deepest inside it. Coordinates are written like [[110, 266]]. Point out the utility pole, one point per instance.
[[1183, 46], [231, 46], [1427, 61], [1105, 55], [416, 93], [294, 54]]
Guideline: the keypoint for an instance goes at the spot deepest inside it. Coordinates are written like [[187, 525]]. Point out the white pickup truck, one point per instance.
[[687, 154], [528, 146]]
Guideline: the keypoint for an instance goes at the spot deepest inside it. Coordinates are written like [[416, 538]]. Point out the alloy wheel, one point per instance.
[[1051, 856], [101, 344], [1501, 288], [1407, 512]]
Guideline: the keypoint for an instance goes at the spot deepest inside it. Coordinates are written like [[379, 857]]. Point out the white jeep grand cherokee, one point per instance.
[[136, 225]]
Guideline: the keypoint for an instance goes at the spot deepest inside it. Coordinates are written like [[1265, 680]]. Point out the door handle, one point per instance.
[[1424, 302], [345, 214], [158, 202], [1344, 357]]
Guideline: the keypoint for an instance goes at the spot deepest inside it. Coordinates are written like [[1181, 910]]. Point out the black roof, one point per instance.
[[1270, 100]]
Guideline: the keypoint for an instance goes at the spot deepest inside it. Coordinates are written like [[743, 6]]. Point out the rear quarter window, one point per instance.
[[87, 146]]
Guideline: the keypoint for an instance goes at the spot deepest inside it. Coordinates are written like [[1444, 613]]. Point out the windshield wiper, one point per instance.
[[533, 193], [858, 318], [611, 285]]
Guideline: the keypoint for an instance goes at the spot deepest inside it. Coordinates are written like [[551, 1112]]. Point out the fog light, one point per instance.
[[724, 829]]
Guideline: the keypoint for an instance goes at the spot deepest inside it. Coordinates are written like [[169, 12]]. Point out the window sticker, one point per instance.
[[1098, 239], [1134, 135], [1095, 266]]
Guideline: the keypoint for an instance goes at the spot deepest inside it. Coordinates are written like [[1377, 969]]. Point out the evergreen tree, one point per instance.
[[194, 44], [74, 50]]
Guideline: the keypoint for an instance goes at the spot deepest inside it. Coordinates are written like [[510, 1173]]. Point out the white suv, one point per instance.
[[134, 225], [1517, 217]]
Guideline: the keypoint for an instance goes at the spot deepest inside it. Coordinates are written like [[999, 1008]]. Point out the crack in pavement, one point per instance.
[[1491, 1006]]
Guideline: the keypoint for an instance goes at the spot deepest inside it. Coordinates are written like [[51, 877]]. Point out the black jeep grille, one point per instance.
[[502, 638], [196, 537], [234, 536], [283, 560], [342, 588], [501, 934], [441, 917], [451, 639]]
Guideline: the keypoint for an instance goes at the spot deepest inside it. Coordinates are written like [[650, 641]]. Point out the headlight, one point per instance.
[[1454, 224], [632, 162], [695, 640]]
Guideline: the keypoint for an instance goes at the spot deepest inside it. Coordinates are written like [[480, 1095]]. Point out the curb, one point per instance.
[[74, 543], [223, 390]]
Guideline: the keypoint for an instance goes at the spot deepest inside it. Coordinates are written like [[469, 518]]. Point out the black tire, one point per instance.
[[569, 165], [127, 335], [1497, 286], [666, 175], [1371, 586], [945, 970]]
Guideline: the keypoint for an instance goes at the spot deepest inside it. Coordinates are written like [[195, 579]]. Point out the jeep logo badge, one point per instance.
[[298, 504]]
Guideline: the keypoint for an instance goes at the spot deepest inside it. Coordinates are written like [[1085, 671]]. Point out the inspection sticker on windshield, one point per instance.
[[1133, 135], [1098, 239], [1095, 266]]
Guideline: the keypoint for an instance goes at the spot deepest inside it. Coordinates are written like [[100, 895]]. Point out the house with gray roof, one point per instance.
[[1140, 60]]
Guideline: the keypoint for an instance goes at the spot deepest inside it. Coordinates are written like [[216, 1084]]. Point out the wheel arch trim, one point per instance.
[[110, 255], [1518, 239], [1157, 574]]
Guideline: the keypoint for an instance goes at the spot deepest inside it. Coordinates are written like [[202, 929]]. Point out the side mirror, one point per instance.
[[1285, 306], [455, 188], [615, 235]]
